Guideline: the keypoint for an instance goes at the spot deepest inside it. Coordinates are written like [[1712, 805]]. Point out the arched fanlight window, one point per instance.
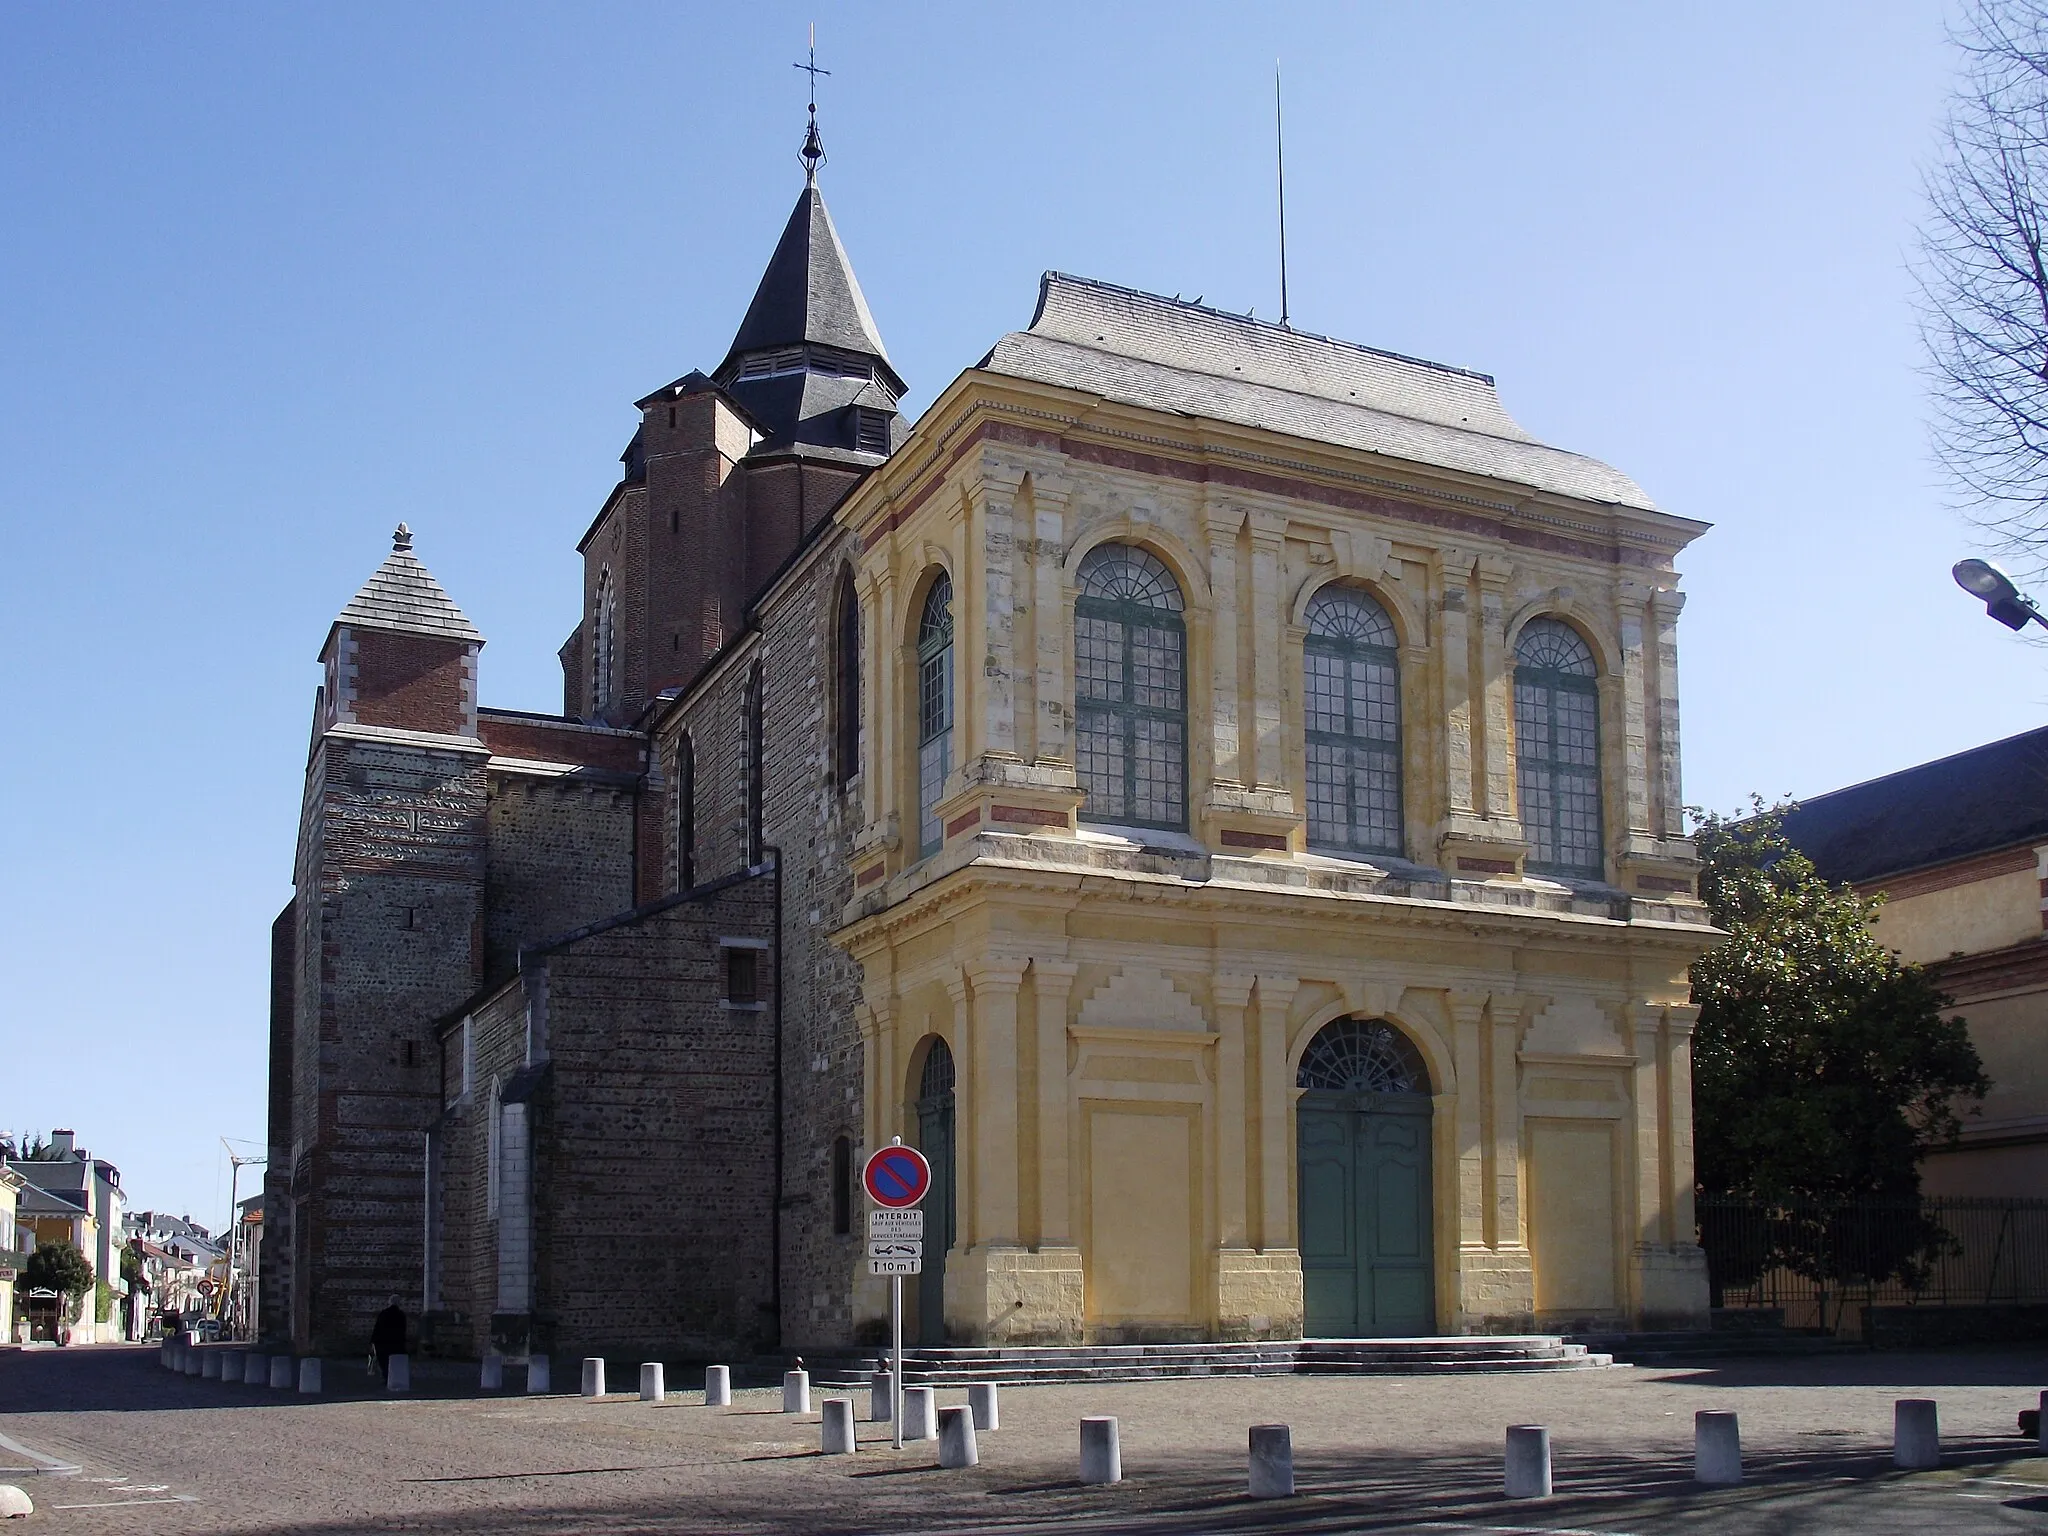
[[934, 712], [686, 813], [846, 682], [1557, 749], [1352, 719], [1130, 690], [604, 644], [1362, 1056]]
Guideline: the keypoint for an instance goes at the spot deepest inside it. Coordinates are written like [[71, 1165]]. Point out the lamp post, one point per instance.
[[2002, 600]]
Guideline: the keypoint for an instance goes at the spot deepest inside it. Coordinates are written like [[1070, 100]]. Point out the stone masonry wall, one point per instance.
[[491, 1039], [810, 819], [399, 861], [561, 856], [654, 1165]]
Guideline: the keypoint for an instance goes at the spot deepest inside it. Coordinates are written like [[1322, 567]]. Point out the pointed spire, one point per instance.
[[809, 294], [404, 596]]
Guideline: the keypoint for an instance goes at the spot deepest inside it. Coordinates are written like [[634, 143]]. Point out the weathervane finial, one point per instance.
[[813, 152]]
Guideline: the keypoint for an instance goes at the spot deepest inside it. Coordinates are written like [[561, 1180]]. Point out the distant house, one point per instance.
[[1959, 847], [77, 1180], [11, 1256]]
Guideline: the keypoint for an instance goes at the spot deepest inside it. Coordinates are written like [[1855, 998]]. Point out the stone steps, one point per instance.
[[1706, 1345], [1146, 1362]]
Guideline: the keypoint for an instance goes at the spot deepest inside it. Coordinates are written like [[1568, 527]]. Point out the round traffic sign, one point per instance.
[[897, 1177]]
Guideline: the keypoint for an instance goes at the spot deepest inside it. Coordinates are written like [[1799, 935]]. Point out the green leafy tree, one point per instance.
[[1824, 1067], [57, 1267]]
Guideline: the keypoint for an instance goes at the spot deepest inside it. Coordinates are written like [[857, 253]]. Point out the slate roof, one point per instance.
[[1979, 801], [809, 294], [1167, 354], [404, 596]]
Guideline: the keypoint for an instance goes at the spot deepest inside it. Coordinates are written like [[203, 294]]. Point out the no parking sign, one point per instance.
[[897, 1177]]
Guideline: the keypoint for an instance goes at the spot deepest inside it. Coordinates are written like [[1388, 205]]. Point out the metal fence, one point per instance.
[[1816, 1259]]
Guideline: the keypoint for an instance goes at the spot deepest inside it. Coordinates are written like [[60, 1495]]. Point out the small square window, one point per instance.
[[742, 976]]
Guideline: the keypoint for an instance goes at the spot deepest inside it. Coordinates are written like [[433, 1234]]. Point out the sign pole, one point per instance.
[[896, 1342], [896, 1178], [896, 1375]]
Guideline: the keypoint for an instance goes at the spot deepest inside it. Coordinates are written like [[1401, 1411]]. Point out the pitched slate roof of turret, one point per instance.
[[1988, 798], [809, 294], [404, 596], [1168, 354]]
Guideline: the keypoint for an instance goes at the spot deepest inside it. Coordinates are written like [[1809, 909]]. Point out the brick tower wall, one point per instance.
[[391, 913]]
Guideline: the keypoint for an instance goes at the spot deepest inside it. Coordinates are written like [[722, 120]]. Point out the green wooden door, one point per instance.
[[935, 1141], [1366, 1231]]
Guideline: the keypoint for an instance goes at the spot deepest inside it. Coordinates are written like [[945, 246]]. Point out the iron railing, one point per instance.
[[1814, 1258]]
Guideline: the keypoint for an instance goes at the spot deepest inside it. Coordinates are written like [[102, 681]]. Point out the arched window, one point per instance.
[[686, 813], [755, 849], [604, 644], [1352, 715], [842, 1186], [934, 712], [1362, 1056], [1130, 690], [1557, 749], [846, 682]]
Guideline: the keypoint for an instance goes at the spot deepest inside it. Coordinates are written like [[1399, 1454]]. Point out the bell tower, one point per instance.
[[730, 472]]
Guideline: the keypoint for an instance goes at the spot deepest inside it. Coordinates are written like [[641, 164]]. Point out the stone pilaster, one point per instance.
[[1269, 761]]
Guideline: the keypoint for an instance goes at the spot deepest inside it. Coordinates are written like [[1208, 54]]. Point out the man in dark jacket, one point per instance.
[[387, 1337]]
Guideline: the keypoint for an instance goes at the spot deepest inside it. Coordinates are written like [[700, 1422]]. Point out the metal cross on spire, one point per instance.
[[813, 152]]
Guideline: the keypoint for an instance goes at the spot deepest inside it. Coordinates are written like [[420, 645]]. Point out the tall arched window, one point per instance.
[[604, 644], [846, 681], [1130, 690], [755, 848], [1352, 715], [686, 813], [934, 712], [1557, 749]]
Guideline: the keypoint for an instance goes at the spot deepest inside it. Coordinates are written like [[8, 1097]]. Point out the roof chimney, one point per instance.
[[60, 1144]]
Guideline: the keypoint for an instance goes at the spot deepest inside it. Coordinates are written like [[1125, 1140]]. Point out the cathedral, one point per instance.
[[1212, 787]]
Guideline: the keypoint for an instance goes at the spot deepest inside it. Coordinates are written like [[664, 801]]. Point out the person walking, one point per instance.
[[387, 1337]]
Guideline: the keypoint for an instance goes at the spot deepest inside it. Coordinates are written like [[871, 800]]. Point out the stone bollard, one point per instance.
[[195, 1361], [920, 1414], [717, 1386], [652, 1388], [956, 1438], [835, 1435], [255, 1370], [981, 1397], [1916, 1434], [1272, 1461], [1528, 1464], [309, 1374], [1102, 1459], [593, 1376], [209, 1365], [490, 1376], [163, 1354], [231, 1364], [398, 1374], [539, 1375], [880, 1405], [14, 1503], [1716, 1448], [796, 1391], [281, 1373], [2041, 1427]]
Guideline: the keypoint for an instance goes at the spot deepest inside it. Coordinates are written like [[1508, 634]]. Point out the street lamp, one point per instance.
[[2001, 599]]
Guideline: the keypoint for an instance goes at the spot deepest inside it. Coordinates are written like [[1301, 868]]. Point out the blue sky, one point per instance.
[[273, 278]]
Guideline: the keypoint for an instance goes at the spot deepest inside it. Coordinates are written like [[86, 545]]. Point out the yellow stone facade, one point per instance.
[[1127, 1008]]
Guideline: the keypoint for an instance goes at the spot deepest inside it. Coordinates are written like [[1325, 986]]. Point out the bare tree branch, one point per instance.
[[1983, 276]]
